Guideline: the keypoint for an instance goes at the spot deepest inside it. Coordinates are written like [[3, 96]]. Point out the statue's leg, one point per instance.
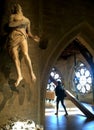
[[16, 60], [24, 48]]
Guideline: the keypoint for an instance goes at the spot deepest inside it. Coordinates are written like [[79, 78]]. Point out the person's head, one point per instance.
[[59, 83], [16, 8]]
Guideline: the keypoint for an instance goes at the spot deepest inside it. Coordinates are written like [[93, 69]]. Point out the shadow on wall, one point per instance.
[[7, 90], [7, 87]]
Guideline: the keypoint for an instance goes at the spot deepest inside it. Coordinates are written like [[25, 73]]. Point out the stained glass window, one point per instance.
[[54, 76], [82, 79]]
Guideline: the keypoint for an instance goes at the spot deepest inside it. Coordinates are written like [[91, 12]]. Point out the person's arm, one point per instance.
[[56, 91]]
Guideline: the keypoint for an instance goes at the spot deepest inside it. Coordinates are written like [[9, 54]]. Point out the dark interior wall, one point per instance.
[[55, 22], [59, 18], [30, 9], [19, 102], [1, 10]]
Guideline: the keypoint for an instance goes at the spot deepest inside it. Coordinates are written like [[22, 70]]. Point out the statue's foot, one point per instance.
[[33, 77], [18, 81]]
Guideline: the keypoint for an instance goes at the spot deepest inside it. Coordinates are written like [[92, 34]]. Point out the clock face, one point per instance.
[[82, 79]]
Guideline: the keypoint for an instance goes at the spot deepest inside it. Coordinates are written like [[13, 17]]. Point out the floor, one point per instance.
[[75, 120]]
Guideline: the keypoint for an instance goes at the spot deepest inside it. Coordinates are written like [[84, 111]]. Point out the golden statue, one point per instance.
[[19, 31]]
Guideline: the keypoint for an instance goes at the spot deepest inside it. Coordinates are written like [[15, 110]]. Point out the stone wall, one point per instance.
[[57, 22], [21, 102]]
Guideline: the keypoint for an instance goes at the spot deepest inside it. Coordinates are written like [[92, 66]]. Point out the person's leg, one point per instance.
[[57, 106], [62, 102], [24, 48], [15, 56]]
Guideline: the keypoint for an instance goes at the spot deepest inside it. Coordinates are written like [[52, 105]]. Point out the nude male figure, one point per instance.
[[19, 31]]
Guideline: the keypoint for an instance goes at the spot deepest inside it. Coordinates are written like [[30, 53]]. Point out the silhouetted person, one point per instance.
[[17, 40], [60, 93]]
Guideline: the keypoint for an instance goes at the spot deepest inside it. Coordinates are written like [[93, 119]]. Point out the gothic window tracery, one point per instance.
[[54, 76], [82, 79]]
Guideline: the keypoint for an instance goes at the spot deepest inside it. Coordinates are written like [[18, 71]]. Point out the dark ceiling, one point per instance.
[[74, 48]]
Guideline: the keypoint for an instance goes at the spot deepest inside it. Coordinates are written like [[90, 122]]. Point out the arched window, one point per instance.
[[54, 76], [82, 79]]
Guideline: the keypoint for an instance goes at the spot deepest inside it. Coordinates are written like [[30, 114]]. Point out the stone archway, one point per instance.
[[82, 32]]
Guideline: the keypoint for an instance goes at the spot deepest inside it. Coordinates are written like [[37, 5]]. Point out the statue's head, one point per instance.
[[16, 8]]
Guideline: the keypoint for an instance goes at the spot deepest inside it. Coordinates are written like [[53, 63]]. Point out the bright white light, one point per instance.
[[58, 80], [83, 80], [56, 76], [77, 74], [87, 87], [83, 90], [52, 86], [79, 86], [89, 80], [30, 125], [82, 71], [47, 86], [87, 73], [71, 111], [52, 74], [81, 64]]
